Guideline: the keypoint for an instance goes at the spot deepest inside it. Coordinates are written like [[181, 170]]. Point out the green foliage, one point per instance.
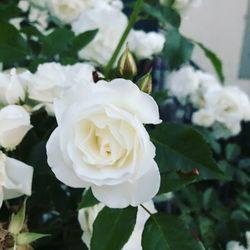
[[172, 182], [13, 48], [167, 232], [167, 16], [8, 11], [177, 50], [88, 199], [180, 147], [112, 228], [27, 238], [82, 40], [215, 60], [56, 42]]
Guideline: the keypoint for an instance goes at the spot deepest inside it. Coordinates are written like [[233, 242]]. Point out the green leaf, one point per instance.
[[166, 232], [232, 152], [28, 237], [178, 49], [167, 16], [57, 42], [8, 11], [17, 220], [88, 199], [172, 182], [112, 228], [180, 147], [215, 60], [83, 40], [13, 47]]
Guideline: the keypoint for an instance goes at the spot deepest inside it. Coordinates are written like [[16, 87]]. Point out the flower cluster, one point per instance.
[[95, 14], [221, 108]]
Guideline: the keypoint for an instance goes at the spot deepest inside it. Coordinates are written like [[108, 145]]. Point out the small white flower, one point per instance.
[[52, 78], [100, 142], [203, 117], [183, 83], [110, 23], [12, 86], [207, 82], [65, 10], [87, 216], [145, 45], [14, 124], [230, 106], [15, 178], [68, 11]]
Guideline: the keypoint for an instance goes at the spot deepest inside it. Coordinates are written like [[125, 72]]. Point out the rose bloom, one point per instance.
[[52, 78], [145, 45], [14, 124], [87, 216], [183, 83], [203, 117], [230, 107], [12, 86], [68, 11], [110, 23], [15, 178], [100, 142]]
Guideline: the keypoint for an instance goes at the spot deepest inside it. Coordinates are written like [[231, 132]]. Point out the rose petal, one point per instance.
[[63, 171], [134, 194], [20, 175]]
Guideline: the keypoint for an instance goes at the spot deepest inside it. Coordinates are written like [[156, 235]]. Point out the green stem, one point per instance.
[[132, 21]]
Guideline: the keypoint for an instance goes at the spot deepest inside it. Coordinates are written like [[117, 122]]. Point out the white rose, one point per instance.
[[110, 23], [101, 142], [15, 178], [52, 78], [207, 82], [203, 117], [87, 216], [12, 86], [14, 124], [145, 45], [230, 105], [183, 83], [66, 10]]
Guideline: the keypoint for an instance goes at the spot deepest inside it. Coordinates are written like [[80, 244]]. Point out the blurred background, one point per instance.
[[228, 35]]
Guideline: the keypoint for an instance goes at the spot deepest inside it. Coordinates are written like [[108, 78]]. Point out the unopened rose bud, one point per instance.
[[145, 83], [127, 65], [17, 220]]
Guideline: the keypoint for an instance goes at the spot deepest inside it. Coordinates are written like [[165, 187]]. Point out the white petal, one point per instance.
[[11, 138], [1, 197], [140, 103], [20, 175], [59, 165], [134, 194]]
